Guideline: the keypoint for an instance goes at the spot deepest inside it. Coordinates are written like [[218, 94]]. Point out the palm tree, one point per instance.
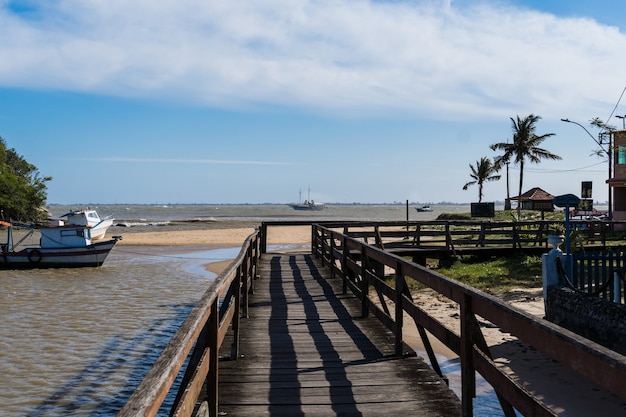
[[525, 146], [482, 172]]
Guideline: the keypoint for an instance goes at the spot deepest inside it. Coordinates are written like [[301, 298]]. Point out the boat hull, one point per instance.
[[309, 207], [98, 231], [424, 209], [89, 218], [75, 257]]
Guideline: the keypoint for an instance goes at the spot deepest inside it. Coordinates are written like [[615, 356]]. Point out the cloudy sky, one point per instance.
[[200, 101]]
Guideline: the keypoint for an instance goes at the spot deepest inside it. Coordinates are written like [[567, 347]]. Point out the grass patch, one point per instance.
[[496, 275], [507, 216]]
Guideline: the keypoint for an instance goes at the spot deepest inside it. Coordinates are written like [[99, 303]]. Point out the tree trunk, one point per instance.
[[519, 196]]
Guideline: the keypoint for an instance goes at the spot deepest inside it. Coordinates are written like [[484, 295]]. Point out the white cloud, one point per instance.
[[186, 161], [427, 58]]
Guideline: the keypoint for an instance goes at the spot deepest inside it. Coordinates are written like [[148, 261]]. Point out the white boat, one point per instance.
[[307, 204], [90, 218], [423, 209], [60, 246]]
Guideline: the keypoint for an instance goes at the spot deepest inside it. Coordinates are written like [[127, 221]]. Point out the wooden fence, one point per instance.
[[363, 267], [459, 235]]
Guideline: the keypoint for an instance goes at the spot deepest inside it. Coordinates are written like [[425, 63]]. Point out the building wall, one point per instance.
[[618, 180], [619, 203], [619, 155]]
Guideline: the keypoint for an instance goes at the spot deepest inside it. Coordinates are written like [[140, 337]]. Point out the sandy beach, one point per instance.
[[221, 237], [227, 237], [566, 391]]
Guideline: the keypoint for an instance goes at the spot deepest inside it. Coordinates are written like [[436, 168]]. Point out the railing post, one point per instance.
[[483, 234], [331, 256], [244, 292], [418, 235], [212, 377], [364, 284], [263, 237], [468, 374], [322, 249], [344, 266], [399, 309], [236, 292], [314, 244]]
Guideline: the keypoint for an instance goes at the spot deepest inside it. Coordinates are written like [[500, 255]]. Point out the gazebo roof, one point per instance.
[[534, 194]]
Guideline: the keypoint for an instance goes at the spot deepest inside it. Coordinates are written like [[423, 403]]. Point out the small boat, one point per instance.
[[60, 246], [307, 204], [423, 209], [90, 218]]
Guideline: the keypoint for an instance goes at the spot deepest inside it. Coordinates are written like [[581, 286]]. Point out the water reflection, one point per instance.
[[485, 403], [98, 389]]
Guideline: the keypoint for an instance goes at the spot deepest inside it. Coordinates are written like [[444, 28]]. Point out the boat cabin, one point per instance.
[[65, 237], [82, 217]]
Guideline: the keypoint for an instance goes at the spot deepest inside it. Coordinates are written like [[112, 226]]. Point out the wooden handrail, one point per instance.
[[457, 235], [361, 266], [351, 260], [204, 327]]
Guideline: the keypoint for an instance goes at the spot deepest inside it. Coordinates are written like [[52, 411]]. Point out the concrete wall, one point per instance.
[[592, 317]]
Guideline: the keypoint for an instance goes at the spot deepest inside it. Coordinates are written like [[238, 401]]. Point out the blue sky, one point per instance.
[[247, 102]]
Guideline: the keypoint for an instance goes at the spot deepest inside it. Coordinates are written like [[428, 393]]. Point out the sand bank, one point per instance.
[[298, 235]]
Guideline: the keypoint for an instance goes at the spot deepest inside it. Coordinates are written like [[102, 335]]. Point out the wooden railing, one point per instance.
[[221, 307], [453, 235], [363, 267], [450, 235]]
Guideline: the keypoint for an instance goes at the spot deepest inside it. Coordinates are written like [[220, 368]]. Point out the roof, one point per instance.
[[535, 194]]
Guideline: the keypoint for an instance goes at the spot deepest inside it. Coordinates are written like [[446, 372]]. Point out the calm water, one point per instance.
[[76, 342], [159, 215]]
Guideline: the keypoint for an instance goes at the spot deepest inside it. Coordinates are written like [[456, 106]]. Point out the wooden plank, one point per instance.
[[305, 350]]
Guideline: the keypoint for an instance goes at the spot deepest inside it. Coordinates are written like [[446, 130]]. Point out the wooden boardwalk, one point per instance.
[[305, 351]]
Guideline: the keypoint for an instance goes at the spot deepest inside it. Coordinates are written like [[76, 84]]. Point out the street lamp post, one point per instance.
[[608, 153], [623, 121]]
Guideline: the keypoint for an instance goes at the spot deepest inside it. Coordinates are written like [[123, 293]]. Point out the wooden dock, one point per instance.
[[305, 351]]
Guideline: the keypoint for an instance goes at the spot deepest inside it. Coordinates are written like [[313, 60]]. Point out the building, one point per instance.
[[537, 199], [617, 182]]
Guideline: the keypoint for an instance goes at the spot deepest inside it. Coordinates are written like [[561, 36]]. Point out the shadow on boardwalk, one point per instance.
[[305, 350]]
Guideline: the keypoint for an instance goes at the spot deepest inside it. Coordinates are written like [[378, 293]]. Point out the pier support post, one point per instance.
[[263, 237]]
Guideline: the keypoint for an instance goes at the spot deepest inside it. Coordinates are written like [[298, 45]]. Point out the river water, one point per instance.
[[76, 342]]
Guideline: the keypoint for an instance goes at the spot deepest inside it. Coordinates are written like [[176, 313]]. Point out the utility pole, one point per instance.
[[608, 153]]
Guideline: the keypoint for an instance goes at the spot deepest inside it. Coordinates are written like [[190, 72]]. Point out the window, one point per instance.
[[72, 233], [621, 154]]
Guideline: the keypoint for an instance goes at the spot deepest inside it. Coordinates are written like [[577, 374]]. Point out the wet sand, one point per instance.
[[227, 237]]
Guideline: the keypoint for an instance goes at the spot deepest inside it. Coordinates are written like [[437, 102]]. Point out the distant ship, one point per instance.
[[307, 204], [423, 209]]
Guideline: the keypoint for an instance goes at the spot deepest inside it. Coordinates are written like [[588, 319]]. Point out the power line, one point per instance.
[[616, 104], [557, 171]]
